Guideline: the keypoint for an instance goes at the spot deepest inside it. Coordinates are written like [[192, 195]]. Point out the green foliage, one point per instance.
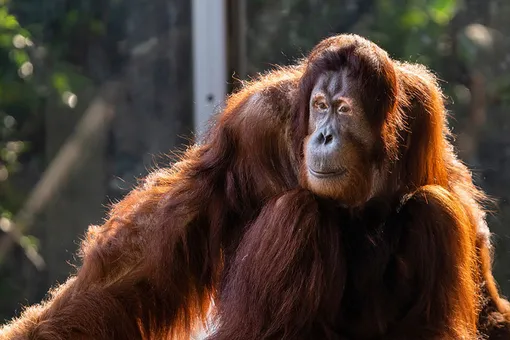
[[15, 95], [27, 80], [411, 29]]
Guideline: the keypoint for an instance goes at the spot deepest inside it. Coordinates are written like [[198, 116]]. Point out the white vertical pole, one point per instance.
[[209, 59]]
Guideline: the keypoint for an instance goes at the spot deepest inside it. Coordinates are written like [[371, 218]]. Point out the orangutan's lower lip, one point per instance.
[[326, 174]]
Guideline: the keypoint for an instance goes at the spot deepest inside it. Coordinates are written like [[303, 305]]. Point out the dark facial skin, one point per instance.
[[339, 140]]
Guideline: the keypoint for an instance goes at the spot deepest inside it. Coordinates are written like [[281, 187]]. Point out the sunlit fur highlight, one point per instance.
[[230, 222]]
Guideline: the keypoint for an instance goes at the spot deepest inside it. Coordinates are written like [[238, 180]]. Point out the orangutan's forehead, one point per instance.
[[333, 82]]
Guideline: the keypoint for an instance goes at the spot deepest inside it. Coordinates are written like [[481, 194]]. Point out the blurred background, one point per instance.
[[94, 93]]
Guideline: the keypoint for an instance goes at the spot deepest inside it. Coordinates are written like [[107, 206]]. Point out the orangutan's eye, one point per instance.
[[321, 105], [344, 108]]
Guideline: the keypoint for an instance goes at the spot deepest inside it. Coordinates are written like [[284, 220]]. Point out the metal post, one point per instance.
[[209, 59]]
